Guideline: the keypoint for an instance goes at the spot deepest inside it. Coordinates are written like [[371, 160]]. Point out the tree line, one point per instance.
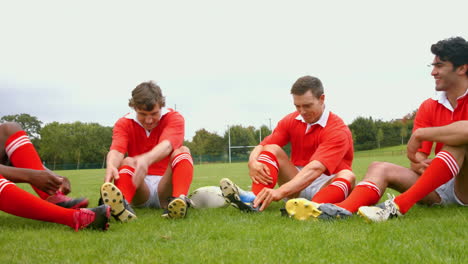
[[83, 144]]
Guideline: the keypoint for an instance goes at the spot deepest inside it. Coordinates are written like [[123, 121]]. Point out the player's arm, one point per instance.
[[45, 180], [421, 163], [143, 161], [258, 172], [303, 179], [65, 187], [454, 134], [113, 161]]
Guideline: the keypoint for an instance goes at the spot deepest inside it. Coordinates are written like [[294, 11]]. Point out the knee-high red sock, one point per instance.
[[125, 182], [22, 154], [442, 169], [182, 174], [335, 192], [365, 193], [16, 201], [270, 160]]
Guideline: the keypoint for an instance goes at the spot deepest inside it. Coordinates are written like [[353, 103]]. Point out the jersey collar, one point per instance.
[[322, 120], [133, 116], [441, 97]]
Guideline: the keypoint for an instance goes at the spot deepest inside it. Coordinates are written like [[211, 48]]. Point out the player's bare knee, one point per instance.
[[9, 128], [128, 161], [458, 152], [347, 175], [378, 169], [182, 149], [276, 150]]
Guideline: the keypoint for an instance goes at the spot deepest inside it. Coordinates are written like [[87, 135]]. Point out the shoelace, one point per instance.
[[389, 205], [83, 218]]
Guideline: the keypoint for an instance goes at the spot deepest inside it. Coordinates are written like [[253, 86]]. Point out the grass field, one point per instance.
[[425, 235]]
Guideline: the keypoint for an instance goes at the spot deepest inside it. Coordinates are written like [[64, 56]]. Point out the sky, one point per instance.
[[219, 63]]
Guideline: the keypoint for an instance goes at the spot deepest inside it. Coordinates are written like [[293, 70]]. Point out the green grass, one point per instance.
[[425, 235]]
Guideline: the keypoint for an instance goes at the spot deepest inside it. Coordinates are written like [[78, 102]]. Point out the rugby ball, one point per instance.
[[208, 197]]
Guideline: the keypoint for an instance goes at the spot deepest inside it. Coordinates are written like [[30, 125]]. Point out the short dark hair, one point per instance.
[[454, 50], [146, 95], [307, 83]]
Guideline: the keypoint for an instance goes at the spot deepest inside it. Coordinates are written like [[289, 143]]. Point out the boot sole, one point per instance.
[[302, 209], [177, 209], [112, 196]]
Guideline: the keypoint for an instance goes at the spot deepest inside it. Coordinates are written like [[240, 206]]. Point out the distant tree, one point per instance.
[[207, 143], [403, 132], [53, 143], [241, 136], [75, 143], [379, 137], [365, 132], [30, 124], [410, 116], [262, 132]]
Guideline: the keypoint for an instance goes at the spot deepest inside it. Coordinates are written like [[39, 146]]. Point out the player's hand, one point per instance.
[[45, 180], [265, 197], [421, 166], [141, 170], [65, 187], [414, 143], [259, 173], [112, 173]]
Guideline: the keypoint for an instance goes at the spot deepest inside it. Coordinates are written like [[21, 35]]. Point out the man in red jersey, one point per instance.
[[442, 119], [158, 170], [321, 155], [52, 205], [444, 179]]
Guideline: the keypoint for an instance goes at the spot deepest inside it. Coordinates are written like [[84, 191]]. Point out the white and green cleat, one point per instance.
[[232, 193], [381, 212]]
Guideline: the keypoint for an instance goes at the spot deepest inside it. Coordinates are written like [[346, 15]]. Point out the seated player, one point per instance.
[[16, 148], [53, 205], [321, 155], [158, 170], [442, 180]]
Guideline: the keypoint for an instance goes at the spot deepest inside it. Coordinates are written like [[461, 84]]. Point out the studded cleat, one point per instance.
[[93, 218], [302, 209], [231, 193], [120, 208], [330, 211], [177, 207], [381, 212], [64, 201]]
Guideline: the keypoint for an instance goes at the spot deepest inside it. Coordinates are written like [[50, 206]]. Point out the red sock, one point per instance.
[[125, 182], [269, 159], [16, 201], [365, 193], [335, 192], [182, 174], [442, 169], [22, 154]]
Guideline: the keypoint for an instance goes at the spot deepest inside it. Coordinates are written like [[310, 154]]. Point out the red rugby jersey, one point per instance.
[[438, 111], [129, 137], [328, 140]]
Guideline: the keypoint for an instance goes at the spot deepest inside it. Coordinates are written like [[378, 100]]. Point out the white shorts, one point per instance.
[[152, 182], [315, 186], [447, 194]]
